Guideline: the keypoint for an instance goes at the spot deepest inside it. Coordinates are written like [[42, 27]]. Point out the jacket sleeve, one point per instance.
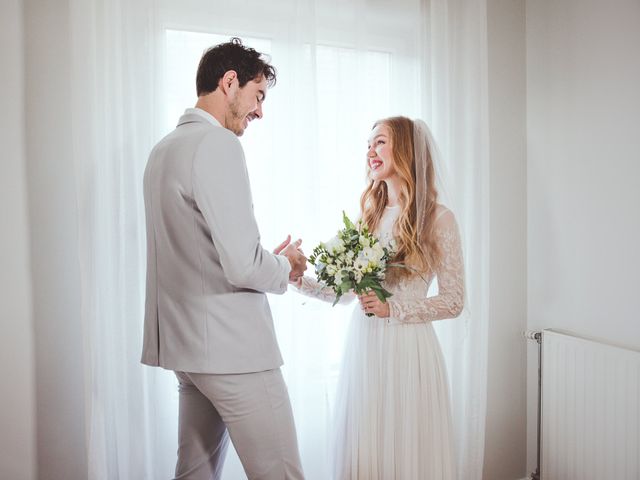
[[222, 192]]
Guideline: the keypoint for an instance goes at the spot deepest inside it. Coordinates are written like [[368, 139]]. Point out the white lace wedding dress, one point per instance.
[[393, 415]]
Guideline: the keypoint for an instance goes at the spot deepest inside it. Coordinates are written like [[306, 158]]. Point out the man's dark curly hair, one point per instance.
[[232, 55]]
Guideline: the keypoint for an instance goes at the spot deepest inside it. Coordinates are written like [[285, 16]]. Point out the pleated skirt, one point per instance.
[[392, 412]]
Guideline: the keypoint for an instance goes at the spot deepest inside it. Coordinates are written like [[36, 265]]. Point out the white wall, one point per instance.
[[505, 444], [583, 178], [53, 214], [17, 423]]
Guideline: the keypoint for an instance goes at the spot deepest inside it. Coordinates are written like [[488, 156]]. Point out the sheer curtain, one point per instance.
[[341, 66], [455, 105]]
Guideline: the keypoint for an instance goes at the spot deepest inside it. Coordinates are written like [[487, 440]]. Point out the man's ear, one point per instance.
[[229, 82]]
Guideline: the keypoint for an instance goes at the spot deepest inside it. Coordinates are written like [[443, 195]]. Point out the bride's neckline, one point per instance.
[[392, 207]]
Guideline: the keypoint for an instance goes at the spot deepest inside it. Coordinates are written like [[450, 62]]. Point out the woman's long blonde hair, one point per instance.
[[421, 254]]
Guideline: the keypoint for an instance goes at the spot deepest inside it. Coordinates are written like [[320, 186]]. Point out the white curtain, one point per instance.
[[130, 429], [341, 66], [455, 102]]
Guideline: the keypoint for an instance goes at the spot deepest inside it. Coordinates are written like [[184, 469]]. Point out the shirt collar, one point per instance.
[[206, 115]]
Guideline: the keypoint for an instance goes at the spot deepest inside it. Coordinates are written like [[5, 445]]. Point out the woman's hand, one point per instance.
[[370, 303]]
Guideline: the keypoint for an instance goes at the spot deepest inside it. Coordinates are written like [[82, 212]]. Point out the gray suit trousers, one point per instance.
[[251, 408]]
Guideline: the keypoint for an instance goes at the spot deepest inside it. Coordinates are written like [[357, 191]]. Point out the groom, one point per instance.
[[207, 316]]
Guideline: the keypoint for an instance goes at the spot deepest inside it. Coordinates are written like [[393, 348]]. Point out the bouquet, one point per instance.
[[354, 260]]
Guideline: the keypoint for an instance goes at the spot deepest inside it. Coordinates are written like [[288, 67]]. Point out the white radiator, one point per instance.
[[590, 409]]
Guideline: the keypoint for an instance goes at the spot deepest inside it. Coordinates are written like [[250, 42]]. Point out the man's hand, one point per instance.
[[296, 258], [282, 246]]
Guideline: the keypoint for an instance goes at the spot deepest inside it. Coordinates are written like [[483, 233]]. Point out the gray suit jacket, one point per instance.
[[206, 310]]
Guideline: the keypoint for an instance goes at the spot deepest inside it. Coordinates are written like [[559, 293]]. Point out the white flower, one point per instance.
[[335, 245], [361, 263], [364, 241], [373, 254]]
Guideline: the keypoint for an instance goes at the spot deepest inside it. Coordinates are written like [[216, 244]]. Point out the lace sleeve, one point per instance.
[[450, 276], [314, 289]]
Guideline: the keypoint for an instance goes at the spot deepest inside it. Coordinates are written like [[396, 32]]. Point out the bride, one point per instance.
[[393, 414]]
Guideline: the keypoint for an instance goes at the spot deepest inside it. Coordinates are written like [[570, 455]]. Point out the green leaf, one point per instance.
[[338, 295], [366, 284], [382, 294], [346, 285], [347, 223]]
